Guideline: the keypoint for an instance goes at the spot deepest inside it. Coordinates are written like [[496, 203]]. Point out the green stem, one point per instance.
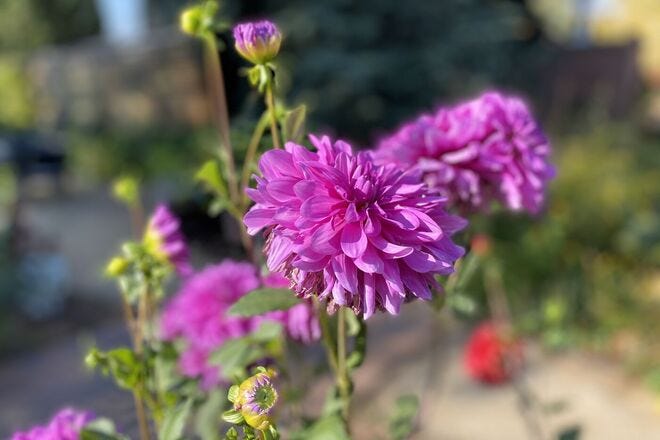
[[326, 335], [250, 155], [270, 104], [217, 82], [343, 380]]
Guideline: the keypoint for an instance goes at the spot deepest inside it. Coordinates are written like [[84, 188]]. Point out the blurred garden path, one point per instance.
[[596, 395]]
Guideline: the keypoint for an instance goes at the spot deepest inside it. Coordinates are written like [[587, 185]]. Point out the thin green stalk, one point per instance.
[[326, 334], [343, 380], [216, 79], [270, 104], [251, 154]]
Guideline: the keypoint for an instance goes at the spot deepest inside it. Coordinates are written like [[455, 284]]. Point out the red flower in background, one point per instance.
[[491, 356]]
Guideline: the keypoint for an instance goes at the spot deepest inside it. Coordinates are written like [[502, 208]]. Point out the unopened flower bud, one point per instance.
[[190, 21], [256, 399], [116, 267], [258, 42]]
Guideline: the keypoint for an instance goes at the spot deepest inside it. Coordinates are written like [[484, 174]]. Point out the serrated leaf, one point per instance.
[[293, 126], [264, 300], [174, 421], [402, 422]]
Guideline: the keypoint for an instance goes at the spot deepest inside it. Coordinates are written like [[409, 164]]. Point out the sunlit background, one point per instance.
[[93, 90]]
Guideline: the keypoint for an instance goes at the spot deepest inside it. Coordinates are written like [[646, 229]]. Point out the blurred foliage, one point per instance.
[[28, 24], [588, 271], [25, 26], [361, 65], [17, 110]]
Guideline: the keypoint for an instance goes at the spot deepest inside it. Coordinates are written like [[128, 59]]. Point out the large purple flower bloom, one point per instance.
[[198, 316], [486, 148], [65, 425], [355, 233], [164, 239], [258, 42]]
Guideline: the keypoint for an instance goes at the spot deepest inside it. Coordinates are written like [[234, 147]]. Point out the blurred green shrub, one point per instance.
[[588, 271]]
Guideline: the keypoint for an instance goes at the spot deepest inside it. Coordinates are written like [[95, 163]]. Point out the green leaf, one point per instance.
[[402, 422], [120, 363], [101, 429], [293, 126], [232, 416], [356, 357], [267, 331], [462, 303], [231, 434], [174, 421], [326, 428], [235, 355], [232, 394], [571, 433], [207, 417], [263, 300], [210, 176]]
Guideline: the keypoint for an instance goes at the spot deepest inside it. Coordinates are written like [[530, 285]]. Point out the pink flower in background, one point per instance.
[[65, 425], [258, 42], [164, 239], [300, 321], [352, 232], [492, 356], [198, 315], [487, 148]]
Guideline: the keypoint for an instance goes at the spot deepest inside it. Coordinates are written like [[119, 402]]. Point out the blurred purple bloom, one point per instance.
[[197, 315], [300, 321], [164, 238], [258, 42], [65, 425], [486, 148], [349, 231]]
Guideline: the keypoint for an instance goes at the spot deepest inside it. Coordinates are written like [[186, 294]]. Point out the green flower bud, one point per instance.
[[256, 399], [116, 267]]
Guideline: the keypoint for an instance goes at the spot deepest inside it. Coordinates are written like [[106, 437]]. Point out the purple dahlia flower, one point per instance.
[[258, 42], [65, 425], [198, 315], [164, 239], [350, 231], [488, 148]]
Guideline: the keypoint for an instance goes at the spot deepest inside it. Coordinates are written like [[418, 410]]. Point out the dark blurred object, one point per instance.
[[28, 24], [31, 153], [581, 76], [370, 64]]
